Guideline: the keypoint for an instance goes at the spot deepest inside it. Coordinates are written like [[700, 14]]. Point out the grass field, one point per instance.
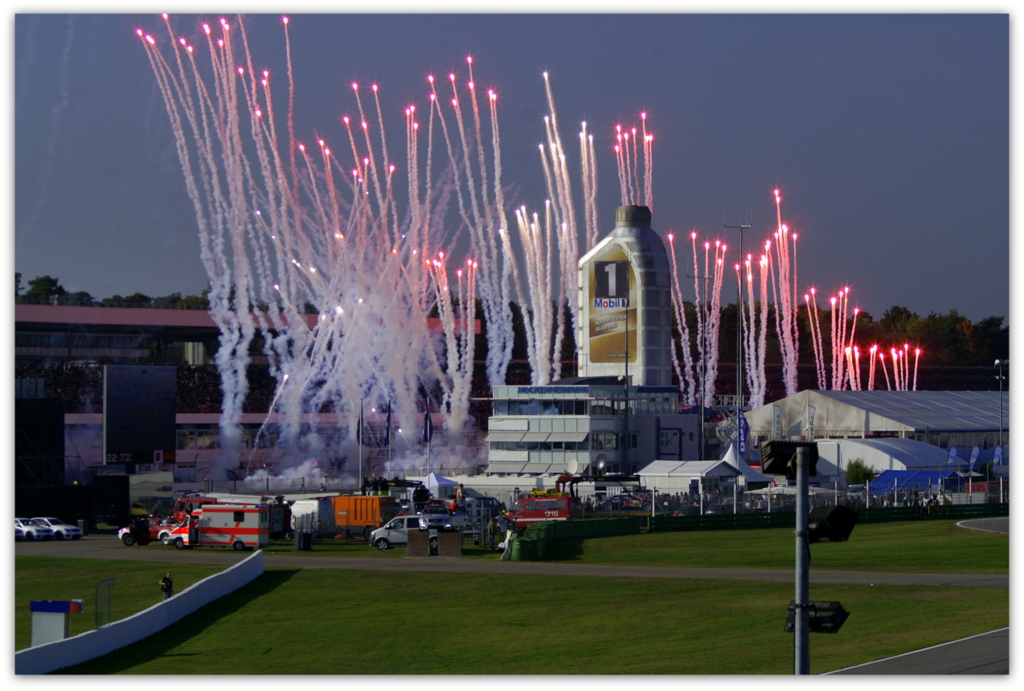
[[350, 622], [920, 547], [134, 589], [346, 622], [925, 547]]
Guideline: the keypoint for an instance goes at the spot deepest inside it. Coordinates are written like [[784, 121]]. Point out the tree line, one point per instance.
[[947, 339]]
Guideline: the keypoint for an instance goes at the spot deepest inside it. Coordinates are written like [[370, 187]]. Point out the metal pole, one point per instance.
[[739, 329], [801, 643], [1000, 363]]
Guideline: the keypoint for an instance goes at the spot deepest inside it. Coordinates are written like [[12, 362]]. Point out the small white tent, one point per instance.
[[675, 476], [439, 485], [732, 457]]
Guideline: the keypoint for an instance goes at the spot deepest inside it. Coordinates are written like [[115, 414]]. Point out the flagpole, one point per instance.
[[428, 429], [359, 435]]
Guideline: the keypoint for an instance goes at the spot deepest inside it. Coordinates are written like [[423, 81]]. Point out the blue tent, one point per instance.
[[912, 480]]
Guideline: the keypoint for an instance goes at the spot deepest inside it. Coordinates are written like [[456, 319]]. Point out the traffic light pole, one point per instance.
[[801, 639]]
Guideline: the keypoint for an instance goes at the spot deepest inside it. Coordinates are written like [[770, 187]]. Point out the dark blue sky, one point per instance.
[[887, 134]]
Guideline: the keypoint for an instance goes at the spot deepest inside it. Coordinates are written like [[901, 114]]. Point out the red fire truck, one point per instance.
[[239, 526], [544, 506]]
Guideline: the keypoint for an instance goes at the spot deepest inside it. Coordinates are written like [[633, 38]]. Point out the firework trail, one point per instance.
[[816, 339], [283, 232], [786, 298], [881, 359], [687, 384], [871, 367], [762, 349], [588, 168], [648, 164]]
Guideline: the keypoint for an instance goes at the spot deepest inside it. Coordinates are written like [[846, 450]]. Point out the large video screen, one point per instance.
[[139, 413]]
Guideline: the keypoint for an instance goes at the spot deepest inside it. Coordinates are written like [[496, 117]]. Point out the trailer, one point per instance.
[[240, 526], [355, 514]]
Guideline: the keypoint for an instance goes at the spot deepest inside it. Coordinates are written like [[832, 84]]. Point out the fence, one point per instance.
[[787, 519]]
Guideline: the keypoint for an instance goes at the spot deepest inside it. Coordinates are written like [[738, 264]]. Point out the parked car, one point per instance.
[[624, 502], [146, 530], [395, 532], [33, 530], [61, 530], [436, 515], [483, 507], [19, 534]]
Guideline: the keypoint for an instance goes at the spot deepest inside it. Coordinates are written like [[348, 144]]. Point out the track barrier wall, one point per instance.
[[50, 657]]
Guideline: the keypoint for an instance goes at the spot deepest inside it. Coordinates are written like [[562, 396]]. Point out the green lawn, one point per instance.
[[136, 587], [920, 547], [917, 547], [348, 622], [359, 622]]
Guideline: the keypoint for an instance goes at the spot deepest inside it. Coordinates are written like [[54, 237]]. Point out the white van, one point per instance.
[[394, 532]]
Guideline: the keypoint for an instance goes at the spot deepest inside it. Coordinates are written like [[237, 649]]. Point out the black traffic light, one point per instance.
[[831, 523], [779, 457], [822, 616]]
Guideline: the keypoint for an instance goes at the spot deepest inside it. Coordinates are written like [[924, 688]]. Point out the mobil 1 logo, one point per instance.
[[611, 279]]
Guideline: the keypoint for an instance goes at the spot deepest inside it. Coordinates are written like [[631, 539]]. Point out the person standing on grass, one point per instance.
[[167, 586], [492, 532]]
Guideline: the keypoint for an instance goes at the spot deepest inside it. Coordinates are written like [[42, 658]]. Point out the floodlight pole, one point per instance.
[[739, 333], [801, 640]]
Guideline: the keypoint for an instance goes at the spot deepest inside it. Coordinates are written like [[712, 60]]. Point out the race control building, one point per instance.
[[622, 412]]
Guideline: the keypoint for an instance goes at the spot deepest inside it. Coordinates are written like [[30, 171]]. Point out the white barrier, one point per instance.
[[49, 657]]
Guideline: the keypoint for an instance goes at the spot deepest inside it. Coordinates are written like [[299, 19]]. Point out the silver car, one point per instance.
[[395, 532], [436, 515], [61, 530], [33, 530]]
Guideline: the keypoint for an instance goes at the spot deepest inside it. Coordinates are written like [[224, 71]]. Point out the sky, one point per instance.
[[887, 135]]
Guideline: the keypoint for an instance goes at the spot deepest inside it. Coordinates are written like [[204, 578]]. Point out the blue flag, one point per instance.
[[951, 456], [998, 455], [428, 426], [974, 458]]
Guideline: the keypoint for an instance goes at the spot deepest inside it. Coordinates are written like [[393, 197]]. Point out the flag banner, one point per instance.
[[428, 426], [951, 456], [974, 458], [997, 456]]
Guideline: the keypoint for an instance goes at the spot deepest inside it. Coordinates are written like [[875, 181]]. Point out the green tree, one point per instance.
[[196, 302], [137, 298], [858, 472], [17, 283], [167, 301], [79, 297], [42, 288], [898, 322]]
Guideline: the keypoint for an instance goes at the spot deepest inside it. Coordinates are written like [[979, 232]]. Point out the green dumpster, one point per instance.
[[525, 550]]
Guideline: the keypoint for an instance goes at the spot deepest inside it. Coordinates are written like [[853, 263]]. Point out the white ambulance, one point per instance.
[[225, 525]]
